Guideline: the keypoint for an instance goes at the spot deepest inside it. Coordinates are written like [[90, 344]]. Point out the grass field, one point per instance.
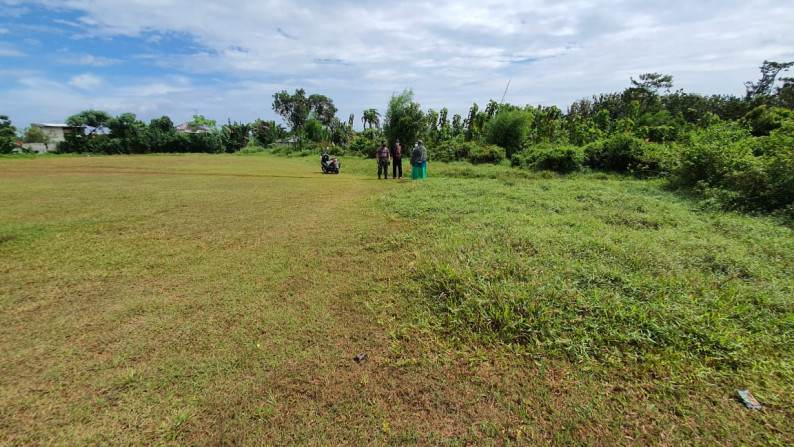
[[220, 300]]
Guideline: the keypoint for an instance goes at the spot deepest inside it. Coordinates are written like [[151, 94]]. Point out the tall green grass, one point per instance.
[[605, 271]]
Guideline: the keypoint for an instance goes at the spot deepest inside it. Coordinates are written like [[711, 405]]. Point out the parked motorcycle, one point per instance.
[[330, 165]]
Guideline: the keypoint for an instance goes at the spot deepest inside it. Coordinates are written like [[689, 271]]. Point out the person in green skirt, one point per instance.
[[419, 161]]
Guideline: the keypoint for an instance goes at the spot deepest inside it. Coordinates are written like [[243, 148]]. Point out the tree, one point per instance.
[[96, 119], [652, 82], [784, 95], [163, 124], [404, 118], [769, 71], [313, 128], [234, 136], [340, 132], [8, 135], [371, 117], [431, 125], [200, 121], [457, 124], [471, 123], [267, 132], [509, 129], [295, 108], [491, 109], [36, 135], [129, 132], [323, 108]]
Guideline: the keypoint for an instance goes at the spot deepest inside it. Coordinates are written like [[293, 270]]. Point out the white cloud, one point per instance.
[[88, 59], [7, 50], [86, 81], [451, 53]]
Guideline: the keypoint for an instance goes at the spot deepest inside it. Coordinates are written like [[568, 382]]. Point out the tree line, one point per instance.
[[735, 151]]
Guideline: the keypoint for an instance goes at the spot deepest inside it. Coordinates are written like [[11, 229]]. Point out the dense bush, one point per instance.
[[763, 120], [619, 153], [509, 130], [459, 150], [7, 135], [547, 157], [149, 141], [443, 152], [658, 159], [234, 136], [365, 146], [490, 153], [745, 174], [704, 155]]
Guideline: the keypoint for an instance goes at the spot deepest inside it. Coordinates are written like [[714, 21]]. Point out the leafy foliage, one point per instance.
[[128, 135], [96, 119], [404, 119], [295, 108], [618, 153], [235, 136], [489, 153], [36, 135], [267, 132], [558, 158], [509, 129], [740, 172], [7, 135]]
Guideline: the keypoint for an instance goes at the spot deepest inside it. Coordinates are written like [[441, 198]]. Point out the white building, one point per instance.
[[56, 132]]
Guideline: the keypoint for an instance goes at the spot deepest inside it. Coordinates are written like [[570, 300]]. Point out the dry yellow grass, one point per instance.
[[220, 300]]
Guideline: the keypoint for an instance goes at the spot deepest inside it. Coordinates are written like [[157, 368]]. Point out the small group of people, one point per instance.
[[395, 157]]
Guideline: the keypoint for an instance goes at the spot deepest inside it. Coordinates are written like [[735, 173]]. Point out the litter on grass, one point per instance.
[[749, 400]]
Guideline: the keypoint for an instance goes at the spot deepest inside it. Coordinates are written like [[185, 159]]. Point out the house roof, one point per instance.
[[61, 126], [187, 128]]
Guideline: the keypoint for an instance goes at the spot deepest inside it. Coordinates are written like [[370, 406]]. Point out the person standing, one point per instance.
[[383, 160], [419, 161], [397, 161]]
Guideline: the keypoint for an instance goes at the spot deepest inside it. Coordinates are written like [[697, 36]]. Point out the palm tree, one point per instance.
[[371, 117]]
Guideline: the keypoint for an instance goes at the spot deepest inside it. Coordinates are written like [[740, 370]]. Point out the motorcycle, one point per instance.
[[330, 165]]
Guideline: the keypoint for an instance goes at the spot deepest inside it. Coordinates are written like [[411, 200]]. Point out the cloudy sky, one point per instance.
[[226, 59]]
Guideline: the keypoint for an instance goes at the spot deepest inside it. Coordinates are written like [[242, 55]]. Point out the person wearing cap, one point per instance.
[[419, 161]]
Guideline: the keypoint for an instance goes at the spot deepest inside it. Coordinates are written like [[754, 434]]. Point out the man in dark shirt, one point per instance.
[[383, 160], [397, 160]]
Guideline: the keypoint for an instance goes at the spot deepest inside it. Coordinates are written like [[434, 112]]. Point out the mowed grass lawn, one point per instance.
[[220, 300]]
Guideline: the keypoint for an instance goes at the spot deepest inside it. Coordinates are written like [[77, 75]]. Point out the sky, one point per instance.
[[225, 60]]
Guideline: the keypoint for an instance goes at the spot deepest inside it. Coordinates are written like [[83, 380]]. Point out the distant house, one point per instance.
[[187, 128], [288, 141], [56, 132]]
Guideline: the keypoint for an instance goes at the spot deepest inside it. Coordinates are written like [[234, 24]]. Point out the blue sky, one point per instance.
[[226, 59]]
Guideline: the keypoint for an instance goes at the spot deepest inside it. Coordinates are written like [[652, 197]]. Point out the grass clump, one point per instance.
[[614, 272]]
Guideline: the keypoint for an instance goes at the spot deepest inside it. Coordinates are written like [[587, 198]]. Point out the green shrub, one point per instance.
[[706, 152], [547, 157], [747, 174], [490, 153], [366, 146], [658, 159], [443, 152], [253, 148], [509, 129], [762, 120], [620, 153]]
